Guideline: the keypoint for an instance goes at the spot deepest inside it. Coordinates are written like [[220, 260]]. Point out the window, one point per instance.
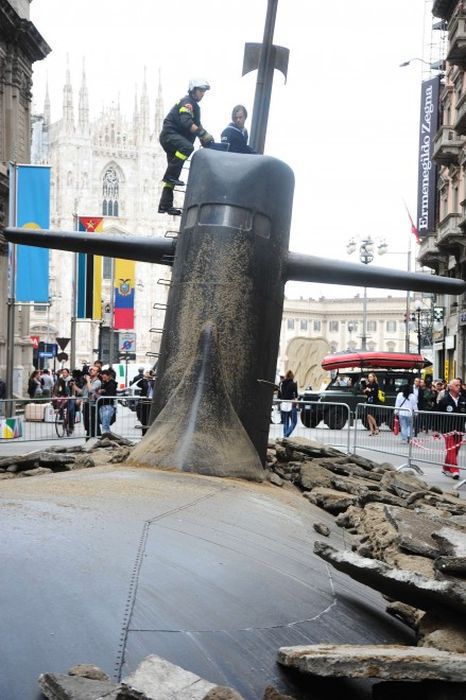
[[303, 324], [333, 326], [290, 324], [317, 325], [352, 326], [391, 326], [110, 193], [372, 326], [371, 347]]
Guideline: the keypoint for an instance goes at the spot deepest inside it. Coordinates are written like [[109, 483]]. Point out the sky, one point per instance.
[[346, 120]]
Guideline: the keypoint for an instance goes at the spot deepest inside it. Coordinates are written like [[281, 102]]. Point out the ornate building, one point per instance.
[[335, 325], [444, 248], [103, 165], [20, 46]]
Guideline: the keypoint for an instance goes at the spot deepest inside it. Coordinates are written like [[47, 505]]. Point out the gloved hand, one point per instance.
[[205, 137]]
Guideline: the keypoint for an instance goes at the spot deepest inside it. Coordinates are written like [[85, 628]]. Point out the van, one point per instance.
[[125, 373]]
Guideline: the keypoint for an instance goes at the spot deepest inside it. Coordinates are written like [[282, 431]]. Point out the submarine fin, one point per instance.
[[198, 430], [144, 249], [309, 268]]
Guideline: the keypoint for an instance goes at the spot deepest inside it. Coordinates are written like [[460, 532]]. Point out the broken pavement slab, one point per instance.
[[158, 679], [397, 584], [390, 662], [60, 686]]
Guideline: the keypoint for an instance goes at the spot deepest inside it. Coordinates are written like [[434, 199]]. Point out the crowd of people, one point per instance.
[[417, 409], [90, 389]]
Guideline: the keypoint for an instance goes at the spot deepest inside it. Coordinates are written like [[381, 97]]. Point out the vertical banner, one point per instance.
[[89, 274], [32, 211], [124, 294], [427, 170]]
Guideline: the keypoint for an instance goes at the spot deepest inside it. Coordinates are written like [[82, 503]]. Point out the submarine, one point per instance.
[[230, 263]]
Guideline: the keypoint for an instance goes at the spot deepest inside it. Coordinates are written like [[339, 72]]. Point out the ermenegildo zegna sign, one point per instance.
[[427, 172]]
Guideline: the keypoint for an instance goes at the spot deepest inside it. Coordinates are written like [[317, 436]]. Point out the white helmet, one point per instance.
[[198, 83]]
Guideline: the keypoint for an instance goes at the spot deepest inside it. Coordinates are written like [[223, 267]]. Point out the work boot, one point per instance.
[[171, 211], [166, 201]]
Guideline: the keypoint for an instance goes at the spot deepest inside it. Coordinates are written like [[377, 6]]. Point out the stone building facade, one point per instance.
[[444, 249], [86, 152], [20, 46], [338, 323]]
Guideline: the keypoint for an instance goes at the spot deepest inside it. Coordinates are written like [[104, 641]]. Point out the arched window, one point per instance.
[[110, 193]]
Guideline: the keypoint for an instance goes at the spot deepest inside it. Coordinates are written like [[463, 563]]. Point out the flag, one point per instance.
[[33, 212], [89, 274], [124, 277], [414, 229]]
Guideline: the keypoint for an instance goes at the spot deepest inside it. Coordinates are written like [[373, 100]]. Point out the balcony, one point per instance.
[[447, 146], [457, 41], [450, 237], [460, 124], [429, 255]]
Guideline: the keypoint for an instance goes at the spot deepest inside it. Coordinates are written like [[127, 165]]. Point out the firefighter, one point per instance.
[[180, 128]]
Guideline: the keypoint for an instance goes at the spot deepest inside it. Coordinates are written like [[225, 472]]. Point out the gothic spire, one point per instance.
[[144, 111], [68, 116], [135, 116], [159, 111], [83, 113], [47, 110]]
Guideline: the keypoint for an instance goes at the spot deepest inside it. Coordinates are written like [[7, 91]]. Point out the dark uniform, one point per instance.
[[176, 139], [237, 139], [453, 430]]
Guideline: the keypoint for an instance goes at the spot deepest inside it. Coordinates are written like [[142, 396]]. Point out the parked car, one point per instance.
[[349, 372]]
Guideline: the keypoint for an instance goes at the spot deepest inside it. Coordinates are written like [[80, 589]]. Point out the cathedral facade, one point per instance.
[[108, 165]]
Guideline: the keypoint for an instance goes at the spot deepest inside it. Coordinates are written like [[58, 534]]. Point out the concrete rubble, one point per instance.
[[108, 449], [403, 538]]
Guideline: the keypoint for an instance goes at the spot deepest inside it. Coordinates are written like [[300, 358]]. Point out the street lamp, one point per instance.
[[366, 256], [435, 65], [417, 311]]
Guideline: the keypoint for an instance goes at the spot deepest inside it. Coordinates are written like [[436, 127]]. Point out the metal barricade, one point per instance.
[[40, 420], [329, 423], [437, 439], [131, 418], [384, 440]]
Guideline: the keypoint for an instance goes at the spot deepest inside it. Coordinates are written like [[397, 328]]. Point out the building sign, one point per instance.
[[427, 171]]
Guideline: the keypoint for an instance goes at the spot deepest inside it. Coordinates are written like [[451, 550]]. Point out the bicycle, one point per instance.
[[62, 419]]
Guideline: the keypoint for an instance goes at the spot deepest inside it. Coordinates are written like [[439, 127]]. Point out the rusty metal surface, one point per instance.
[[108, 565]]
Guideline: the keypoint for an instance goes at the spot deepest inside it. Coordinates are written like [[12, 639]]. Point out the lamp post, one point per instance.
[[417, 311], [350, 331], [366, 256]]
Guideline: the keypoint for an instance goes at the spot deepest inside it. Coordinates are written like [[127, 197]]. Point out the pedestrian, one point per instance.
[[89, 394], [34, 385], [288, 392], [235, 134], [453, 403], [372, 393], [147, 392], [47, 382], [64, 392], [106, 401], [405, 409], [2, 397], [180, 128]]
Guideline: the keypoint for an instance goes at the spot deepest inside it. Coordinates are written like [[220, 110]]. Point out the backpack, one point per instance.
[[381, 396]]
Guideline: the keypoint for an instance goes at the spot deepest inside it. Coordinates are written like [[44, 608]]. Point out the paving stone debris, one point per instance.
[[407, 540], [403, 538], [388, 661]]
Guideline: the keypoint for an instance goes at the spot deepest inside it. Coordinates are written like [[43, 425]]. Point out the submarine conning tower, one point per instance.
[[229, 273]]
